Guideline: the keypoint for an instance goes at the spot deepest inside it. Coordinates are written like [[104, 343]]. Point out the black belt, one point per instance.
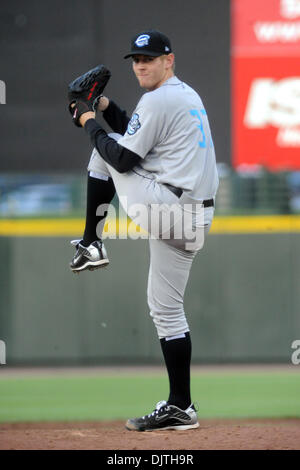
[[178, 192], [208, 203]]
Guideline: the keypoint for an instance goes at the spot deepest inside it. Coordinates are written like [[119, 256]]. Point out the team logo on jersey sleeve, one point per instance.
[[134, 124]]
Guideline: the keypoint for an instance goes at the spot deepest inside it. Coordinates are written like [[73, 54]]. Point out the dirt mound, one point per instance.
[[270, 434]]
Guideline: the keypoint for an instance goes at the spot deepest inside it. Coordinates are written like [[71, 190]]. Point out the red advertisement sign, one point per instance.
[[265, 27], [266, 83]]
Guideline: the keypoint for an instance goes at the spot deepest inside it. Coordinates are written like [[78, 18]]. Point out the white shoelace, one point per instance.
[[159, 405]]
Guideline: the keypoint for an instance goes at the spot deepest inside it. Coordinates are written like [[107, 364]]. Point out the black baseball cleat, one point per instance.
[[165, 416], [91, 257]]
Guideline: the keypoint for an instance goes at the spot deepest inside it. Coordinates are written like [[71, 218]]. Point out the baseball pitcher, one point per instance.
[[163, 158]]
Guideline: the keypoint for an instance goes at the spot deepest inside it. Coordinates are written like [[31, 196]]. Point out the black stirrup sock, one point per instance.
[[177, 354], [99, 192]]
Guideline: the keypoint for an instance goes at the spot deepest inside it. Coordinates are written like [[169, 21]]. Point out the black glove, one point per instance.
[[77, 108], [85, 90]]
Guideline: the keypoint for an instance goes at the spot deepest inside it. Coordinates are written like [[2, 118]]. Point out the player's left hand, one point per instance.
[[81, 112], [84, 91]]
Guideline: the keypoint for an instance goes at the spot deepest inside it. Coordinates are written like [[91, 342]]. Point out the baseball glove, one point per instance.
[[84, 91]]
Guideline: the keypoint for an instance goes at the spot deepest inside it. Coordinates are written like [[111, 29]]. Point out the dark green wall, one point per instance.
[[242, 302], [51, 42]]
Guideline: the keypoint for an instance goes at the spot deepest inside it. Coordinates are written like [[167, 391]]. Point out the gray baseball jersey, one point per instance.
[[170, 131]]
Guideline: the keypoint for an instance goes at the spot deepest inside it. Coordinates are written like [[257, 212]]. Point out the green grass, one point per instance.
[[226, 395]]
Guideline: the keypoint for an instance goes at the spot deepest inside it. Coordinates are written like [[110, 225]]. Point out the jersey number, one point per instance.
[[195, 112]]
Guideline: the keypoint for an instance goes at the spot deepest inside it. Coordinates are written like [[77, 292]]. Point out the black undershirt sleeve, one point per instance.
[[120, 158], [116, 118]]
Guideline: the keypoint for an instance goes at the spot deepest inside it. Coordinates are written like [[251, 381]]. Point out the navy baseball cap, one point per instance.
[[152, 43]]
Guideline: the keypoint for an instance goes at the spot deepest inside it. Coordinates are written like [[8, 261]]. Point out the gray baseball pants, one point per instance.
[[170, 260]]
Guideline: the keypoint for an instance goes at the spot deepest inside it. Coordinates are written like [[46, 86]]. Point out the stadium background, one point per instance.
[[242, 300]]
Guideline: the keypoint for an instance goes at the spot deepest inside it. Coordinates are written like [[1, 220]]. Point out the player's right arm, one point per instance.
[[115, 117], [120, 158]]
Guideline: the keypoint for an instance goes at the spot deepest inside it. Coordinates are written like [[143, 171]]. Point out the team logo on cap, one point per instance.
[[134, 124], [142, 40]]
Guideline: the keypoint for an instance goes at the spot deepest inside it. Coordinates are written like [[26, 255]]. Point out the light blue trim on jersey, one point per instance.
[[195, 112]]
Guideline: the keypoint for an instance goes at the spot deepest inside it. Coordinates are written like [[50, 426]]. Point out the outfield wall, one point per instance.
[[52, 48], [242, 302]]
